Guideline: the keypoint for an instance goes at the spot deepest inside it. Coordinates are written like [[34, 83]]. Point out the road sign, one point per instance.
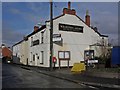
[[57, 37], [92, 61]]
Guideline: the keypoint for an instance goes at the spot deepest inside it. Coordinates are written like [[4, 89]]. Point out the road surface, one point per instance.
[[14, 76]]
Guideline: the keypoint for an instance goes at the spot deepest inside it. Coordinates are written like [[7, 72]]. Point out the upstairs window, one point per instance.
[[31, 41], [42, 57], [36, 42], [42, 37]]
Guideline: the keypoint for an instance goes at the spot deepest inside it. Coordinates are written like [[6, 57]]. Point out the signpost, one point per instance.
[[51, 34]]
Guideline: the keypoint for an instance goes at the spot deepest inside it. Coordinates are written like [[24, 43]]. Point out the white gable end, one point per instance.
[[89, 36]]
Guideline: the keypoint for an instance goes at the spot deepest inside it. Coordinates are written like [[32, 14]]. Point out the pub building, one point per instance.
[[73, 40]]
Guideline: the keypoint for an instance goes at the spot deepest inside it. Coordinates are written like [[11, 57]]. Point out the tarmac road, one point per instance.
[[20, 77], [16, 77]]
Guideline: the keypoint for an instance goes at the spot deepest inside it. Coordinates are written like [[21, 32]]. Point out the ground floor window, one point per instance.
[[89, 54], [38, 57], [33, 57], [42, 57]]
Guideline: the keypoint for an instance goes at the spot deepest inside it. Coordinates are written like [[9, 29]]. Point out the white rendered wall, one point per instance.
[[16, 51], [74, 42], [36, 50]]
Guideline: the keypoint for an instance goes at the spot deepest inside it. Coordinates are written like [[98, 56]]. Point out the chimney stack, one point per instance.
[[69, 5], [69, 10], [36, 28], [87, 18]]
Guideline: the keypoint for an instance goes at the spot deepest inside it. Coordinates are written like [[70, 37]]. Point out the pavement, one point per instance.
[[97, 79]]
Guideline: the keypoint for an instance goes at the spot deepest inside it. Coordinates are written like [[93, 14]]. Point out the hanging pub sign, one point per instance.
[[70, 28], [57, 37]]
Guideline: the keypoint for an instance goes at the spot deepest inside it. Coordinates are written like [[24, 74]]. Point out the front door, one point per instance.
[[36, 59]]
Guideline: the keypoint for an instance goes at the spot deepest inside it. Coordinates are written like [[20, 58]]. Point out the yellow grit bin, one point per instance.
[[78, 67]]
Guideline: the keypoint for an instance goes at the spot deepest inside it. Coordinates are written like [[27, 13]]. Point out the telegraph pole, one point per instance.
[[51, 34]]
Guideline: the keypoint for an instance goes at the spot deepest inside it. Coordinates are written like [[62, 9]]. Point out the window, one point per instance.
[[64, 55], [33, 57], [27, 61], [89, 54], [31, 41], [42, 37], [42, 57], [38, 57], [36, 42], [103, 41]]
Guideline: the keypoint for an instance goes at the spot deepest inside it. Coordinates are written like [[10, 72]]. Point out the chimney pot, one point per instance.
[[36, 28], [95, 28], [69, 10], [69, 5], [87, 18]]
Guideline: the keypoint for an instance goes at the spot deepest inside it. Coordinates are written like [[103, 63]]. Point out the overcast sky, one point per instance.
[[19, 18]]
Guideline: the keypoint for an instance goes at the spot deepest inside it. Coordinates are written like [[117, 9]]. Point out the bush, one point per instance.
[[100, 60], [104, 60]]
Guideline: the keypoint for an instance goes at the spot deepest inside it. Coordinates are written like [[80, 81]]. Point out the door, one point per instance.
[[36, 59]]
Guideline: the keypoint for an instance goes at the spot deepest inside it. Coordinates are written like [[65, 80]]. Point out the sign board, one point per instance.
[[70, 28], [57, 38], [67, 55], [64, 55], [61, 54], [92, 61], [56, 35]]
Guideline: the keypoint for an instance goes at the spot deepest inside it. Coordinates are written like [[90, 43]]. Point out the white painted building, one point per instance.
[[16, 52], [72, 37], [20, 52]]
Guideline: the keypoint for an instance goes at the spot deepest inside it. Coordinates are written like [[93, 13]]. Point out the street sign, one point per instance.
[[92, 61], [57, 37]]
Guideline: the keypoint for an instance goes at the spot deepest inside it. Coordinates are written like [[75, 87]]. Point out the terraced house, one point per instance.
[[73, 39]]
